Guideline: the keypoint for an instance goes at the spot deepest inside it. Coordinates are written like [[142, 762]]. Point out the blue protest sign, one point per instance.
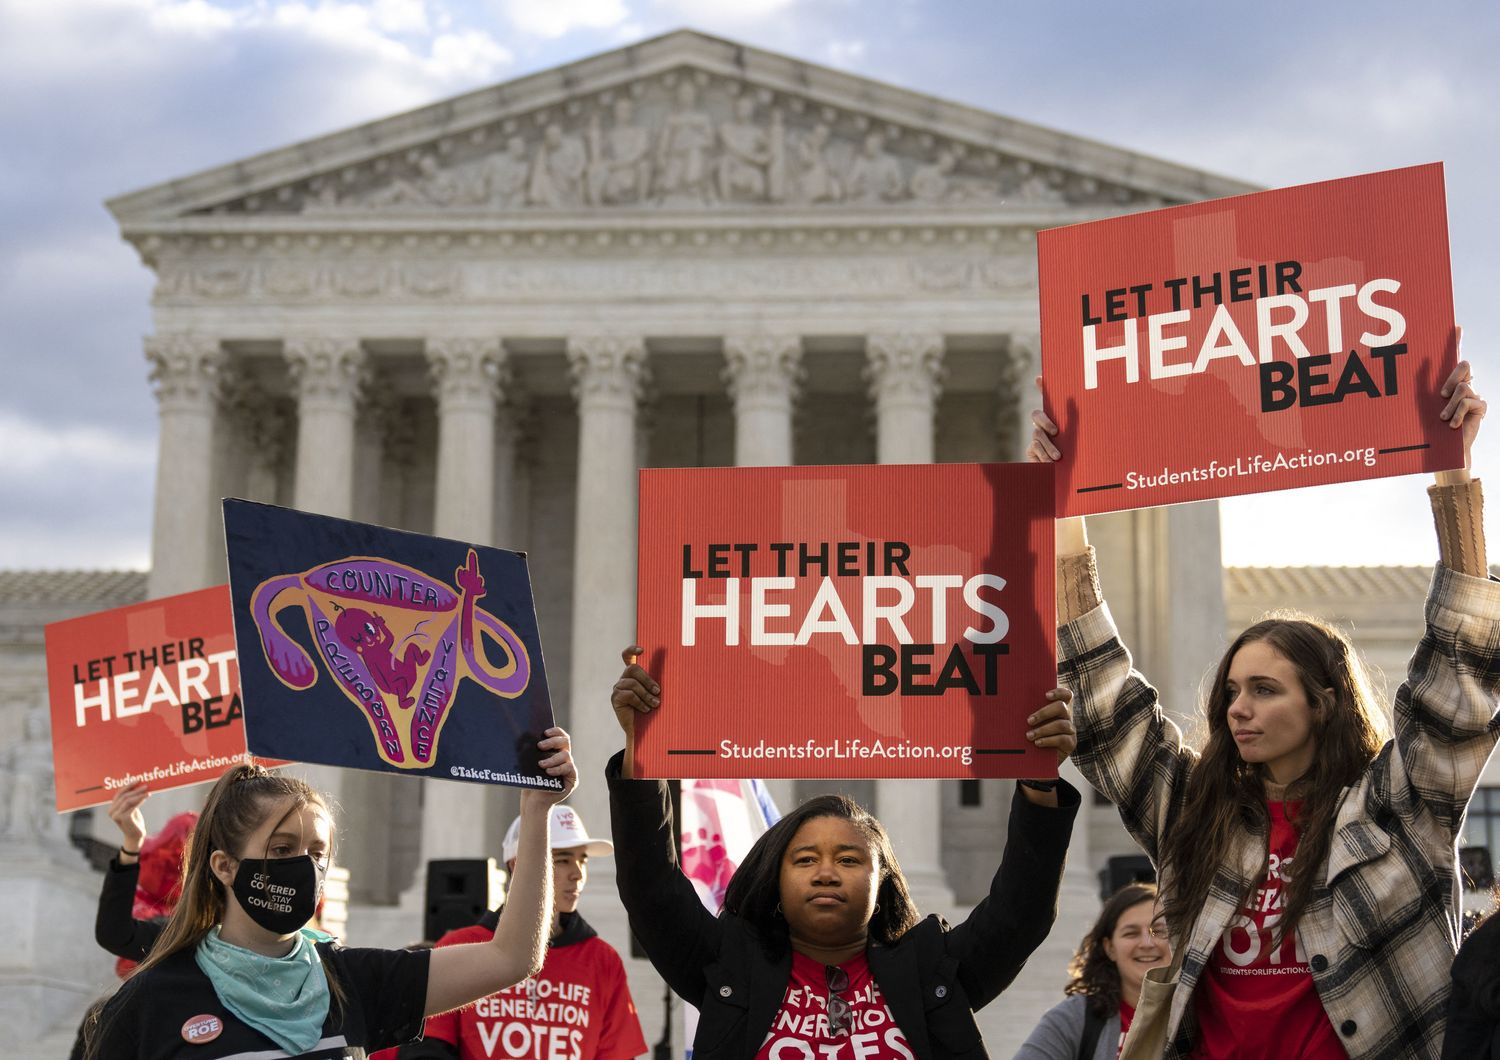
[[372, 648]]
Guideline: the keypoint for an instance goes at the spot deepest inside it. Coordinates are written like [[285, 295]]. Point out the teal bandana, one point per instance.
[[285, 998]]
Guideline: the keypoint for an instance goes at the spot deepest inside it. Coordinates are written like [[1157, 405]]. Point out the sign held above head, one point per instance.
[[1262, 342], [862, 621]]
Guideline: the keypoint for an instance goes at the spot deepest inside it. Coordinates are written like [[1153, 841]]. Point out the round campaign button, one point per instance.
[[201, 1029]]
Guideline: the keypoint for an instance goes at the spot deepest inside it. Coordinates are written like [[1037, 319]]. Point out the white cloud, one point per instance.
[[626, 32], [391, 31], [725, 11], [467, 56], [845, 52], [555, 18], [42, 449], [190, 16], [400, 16], [394, 40]]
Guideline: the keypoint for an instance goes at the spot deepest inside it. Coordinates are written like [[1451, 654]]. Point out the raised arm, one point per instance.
[[116, 929], [679, 935], [994, 941], [1127, 748], [1445, 711], [460, 974]]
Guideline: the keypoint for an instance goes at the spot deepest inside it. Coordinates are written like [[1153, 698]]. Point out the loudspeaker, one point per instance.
[[1477, 868], [459, 892], [1122, 870]]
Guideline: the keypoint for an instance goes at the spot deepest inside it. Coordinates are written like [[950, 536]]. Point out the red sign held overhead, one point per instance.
[[1261, 342], [146, 692], [870, 621]]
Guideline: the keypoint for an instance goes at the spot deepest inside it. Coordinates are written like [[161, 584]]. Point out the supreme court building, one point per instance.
[[480, 318]]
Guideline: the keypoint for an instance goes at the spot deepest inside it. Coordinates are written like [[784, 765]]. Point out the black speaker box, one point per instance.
[[459, 891], [1122, 870]]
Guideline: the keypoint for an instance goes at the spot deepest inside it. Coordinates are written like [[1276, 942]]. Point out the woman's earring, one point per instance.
[[778, 911], [876, 909]]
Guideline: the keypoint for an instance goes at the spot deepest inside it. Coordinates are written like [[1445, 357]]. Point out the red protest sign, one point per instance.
[[871, 621], [146, 692], [1262, 342]]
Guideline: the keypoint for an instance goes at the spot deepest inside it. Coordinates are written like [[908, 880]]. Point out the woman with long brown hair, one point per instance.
[[1307, 862], [1104, 980], [236, 972]]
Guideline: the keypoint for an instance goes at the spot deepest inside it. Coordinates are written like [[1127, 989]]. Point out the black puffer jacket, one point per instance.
[[1473, 1031], [932, 979]]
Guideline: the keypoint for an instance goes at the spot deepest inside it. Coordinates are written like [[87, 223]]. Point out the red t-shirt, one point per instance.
[[1127, 1013], [800, 1029], [1255, 1002], [577, 1008]]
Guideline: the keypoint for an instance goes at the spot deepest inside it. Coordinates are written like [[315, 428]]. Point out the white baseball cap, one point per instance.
[[565, 832]]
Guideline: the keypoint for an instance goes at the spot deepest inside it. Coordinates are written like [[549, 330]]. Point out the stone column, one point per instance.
[[511, 507], [1020, 363], [764, 373], [329, 375], [380, 418], [467, 374], [267, 430], [1078, 900], [188, 372], [609, 377], [511, 519], [905, 373]]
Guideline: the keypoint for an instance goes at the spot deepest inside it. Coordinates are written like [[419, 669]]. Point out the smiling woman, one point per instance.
[[820, 951], [1128, 939]]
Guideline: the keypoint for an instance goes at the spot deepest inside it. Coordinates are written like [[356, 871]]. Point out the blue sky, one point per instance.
[[99, 97]]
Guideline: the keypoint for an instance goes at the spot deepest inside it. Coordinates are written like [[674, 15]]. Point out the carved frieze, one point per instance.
[[682, 140]]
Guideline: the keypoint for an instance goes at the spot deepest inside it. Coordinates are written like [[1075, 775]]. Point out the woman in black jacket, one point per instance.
[[819, 953]]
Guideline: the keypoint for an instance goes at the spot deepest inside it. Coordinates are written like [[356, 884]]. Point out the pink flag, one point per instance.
[[721, 820]]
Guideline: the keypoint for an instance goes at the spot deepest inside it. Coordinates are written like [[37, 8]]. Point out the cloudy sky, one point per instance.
[[99, 97]]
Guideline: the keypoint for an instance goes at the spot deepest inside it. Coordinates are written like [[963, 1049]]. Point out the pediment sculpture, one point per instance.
[[682, 141]]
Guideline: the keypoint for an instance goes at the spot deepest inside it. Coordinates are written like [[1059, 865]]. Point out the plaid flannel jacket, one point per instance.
[[1381, 929]]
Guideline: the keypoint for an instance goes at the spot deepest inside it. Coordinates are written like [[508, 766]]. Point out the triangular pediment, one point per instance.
[[683, 121]]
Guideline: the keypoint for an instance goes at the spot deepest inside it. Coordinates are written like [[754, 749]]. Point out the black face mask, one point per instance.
[[279, 894]]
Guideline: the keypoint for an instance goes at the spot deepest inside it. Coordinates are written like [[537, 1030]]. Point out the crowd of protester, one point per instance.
[[1306, 904]]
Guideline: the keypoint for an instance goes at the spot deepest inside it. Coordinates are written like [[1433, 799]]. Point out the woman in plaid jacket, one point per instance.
[[1307, 863]]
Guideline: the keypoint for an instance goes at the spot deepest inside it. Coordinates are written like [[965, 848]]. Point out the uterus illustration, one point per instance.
[[396, 641], [367, 635]]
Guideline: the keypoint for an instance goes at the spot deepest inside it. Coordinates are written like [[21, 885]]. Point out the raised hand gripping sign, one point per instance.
[[1262, 342], [864, 621], [387, 650]]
